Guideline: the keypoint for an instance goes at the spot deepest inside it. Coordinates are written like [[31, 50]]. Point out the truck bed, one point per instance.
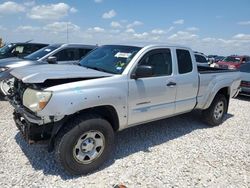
[[207, 70], [211, 79]]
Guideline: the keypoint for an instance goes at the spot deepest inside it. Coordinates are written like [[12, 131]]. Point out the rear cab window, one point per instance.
[[184, 61]]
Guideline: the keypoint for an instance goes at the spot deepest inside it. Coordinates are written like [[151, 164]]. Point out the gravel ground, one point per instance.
[[176, 152]]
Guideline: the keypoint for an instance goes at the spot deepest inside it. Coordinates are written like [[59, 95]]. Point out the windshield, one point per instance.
[[232, 59], [111, 58], [5, 49], [40, 53]]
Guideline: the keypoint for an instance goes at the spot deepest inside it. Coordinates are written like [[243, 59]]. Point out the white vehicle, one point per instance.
[[79, 108], [201, 59]]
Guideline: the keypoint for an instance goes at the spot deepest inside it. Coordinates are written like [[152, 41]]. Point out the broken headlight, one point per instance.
[[36, 100]]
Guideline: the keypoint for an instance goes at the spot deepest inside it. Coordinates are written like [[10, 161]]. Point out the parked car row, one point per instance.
[[232, 62], [52, 54], [77, 106], [215, 58], [19, 49], [241, 63]]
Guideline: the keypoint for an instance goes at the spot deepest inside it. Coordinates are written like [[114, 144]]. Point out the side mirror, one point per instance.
[[142, 71], [52, 60]]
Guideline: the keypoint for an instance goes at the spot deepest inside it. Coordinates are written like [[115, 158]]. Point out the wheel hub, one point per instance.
[[88, 145], [219, 110]]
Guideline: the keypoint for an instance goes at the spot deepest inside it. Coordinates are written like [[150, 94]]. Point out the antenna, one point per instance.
[[28, 41]]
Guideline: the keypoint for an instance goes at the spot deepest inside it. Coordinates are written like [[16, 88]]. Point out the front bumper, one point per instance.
[[31, 132], [33, 127]]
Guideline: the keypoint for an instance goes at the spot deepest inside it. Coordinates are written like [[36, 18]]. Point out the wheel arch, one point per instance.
[[106, 112], [223, 91]]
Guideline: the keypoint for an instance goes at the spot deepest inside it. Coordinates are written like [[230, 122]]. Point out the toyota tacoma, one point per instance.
[[78, 108]]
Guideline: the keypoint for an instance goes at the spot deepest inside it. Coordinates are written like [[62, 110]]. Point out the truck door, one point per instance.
[[187, 82], [153, 97]]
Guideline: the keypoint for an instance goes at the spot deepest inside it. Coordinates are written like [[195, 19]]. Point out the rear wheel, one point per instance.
[[215, 113], [84, 145]]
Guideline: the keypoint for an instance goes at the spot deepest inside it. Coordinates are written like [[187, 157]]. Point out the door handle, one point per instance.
[[171, 84]]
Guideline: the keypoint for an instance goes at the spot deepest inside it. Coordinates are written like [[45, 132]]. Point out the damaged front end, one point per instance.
[[33, 128]]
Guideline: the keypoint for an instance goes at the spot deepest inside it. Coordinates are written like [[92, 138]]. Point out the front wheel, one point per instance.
[[84, 145], [215, 113]]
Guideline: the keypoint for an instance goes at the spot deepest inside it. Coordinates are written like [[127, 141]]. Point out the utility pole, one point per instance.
[[1, 42], [67, 32]]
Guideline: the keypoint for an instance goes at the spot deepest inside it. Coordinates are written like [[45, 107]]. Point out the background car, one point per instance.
[[218, 58], [211, 58], [245, 79], [232, 62], [19, 49], [201, 59], [56, 53]]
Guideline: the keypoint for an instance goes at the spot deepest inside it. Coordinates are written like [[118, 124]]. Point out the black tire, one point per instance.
[[68, 137], [2, 97], [209, 114]]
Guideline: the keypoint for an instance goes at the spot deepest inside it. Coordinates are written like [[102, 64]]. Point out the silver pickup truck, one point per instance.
[[78, 108]]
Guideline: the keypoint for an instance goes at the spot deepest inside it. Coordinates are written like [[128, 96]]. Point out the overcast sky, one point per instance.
[[210, 26]]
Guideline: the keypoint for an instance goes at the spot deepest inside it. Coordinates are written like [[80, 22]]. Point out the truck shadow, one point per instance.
[[136, 139], [2, 98], [243, 98]]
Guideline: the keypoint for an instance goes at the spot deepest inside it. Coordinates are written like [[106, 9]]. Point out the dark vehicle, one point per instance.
[[232, 62], [52, 54], [19, 49], [245, 79]]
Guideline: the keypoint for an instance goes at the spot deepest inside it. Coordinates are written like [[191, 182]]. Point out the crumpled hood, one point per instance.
[[14, 62], [41, 73]]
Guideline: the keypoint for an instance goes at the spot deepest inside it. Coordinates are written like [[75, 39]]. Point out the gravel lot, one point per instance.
[[176, 152]]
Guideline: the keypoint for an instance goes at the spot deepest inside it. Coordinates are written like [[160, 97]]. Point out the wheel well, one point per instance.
[[106, 112], [226, 92]]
